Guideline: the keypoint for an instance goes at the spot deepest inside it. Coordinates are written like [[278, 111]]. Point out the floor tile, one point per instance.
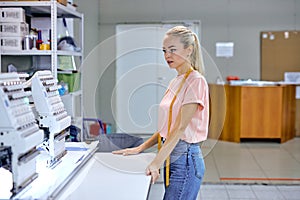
[[211, 174], [267, 192], [240, 192], [239, 164], [248, 171], [290, 192], [240, 174], [263, 161], [280, 161], [283, 173], [213, 192]]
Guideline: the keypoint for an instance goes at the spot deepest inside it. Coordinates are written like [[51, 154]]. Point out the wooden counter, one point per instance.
[[252, 112]]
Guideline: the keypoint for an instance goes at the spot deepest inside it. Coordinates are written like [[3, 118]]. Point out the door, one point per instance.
[[142, 76]]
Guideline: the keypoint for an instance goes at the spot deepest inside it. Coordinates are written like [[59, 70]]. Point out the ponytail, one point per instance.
[[196, 57]]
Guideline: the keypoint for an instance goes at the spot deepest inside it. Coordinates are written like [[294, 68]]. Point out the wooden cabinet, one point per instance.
[[252, 112]]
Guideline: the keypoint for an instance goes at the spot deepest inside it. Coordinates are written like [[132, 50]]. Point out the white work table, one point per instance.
[[51, 180], [83, 174], [109, 176]]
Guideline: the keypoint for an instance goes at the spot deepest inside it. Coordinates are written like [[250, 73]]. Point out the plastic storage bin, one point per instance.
[[12, 15], [71, 78]]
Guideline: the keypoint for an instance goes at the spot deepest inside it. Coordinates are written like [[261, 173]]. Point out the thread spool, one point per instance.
[[44, 46], [27, 42]]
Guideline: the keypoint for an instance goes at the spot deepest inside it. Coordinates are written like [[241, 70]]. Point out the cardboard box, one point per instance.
[[13, 29], [63, 2], [94, 129], [11, 43], [12, 15]]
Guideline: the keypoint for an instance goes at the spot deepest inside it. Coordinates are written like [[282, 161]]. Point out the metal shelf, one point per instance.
[[39, 53], [52, 9], [68, 53], [24, 53], [43, 8]]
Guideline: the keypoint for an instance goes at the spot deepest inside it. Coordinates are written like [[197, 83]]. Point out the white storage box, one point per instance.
[[11, 43], [12, 15], [13, 29]]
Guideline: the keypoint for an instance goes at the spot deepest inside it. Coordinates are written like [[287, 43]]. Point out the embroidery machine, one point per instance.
[[18, 129], [51, 114]]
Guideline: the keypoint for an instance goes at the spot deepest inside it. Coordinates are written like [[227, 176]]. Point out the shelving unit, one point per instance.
[[53, 10]]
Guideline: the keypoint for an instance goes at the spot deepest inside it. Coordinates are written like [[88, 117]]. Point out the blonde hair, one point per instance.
[[187, 38]]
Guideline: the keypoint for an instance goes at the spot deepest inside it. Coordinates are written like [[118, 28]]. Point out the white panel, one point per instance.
[[142, 76], [136, 77]]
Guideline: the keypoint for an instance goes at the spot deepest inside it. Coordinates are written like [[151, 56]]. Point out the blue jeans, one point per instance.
[[186, 172]]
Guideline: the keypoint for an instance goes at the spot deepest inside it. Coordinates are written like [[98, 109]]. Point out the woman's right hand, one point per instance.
[[127, 151]]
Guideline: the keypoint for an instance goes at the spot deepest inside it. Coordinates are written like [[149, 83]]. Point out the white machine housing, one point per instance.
[[18, 129], [52, 115]]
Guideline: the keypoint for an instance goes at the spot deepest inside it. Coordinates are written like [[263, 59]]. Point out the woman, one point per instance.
[[183, 119]]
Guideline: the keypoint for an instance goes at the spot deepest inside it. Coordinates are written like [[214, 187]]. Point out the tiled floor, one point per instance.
[[248, 170], [238, 192]]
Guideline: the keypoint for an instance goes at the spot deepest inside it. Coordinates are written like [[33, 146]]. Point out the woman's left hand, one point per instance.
[[127, 151], [153, 171]]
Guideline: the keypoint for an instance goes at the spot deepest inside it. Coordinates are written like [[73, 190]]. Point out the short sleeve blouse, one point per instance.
[[194, 90]]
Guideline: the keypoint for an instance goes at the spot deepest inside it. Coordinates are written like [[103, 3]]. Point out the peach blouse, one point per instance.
[[194, 90]]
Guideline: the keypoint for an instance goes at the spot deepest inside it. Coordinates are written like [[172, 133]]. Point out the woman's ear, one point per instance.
[[190, 49]]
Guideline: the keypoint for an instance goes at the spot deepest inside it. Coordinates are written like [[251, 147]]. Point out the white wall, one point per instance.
[[240, 21]]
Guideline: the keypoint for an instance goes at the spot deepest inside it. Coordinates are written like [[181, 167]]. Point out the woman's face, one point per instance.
[[175, 53]]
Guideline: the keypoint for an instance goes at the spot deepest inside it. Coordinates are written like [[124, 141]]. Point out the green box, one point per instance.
[[71, 78]]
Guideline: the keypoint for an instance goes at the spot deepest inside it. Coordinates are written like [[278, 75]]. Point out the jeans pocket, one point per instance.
[[199, 165]]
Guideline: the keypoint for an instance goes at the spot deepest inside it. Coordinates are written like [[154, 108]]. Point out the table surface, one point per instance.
[[83, 174], [109, 176], [50, 180]]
